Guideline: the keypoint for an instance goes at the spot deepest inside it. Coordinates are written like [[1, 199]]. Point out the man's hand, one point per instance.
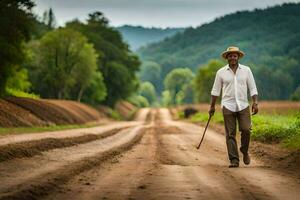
[[211, 111], [254, 108]]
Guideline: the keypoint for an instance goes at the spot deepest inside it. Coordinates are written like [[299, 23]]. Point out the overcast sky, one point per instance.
[[157, 13]]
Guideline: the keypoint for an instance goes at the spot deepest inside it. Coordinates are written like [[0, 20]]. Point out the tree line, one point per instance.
[[269, 37], [84, 61]]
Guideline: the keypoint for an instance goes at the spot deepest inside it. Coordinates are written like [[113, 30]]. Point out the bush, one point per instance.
[[18, 93]]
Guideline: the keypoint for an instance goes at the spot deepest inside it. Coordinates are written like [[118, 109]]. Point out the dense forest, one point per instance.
[[270, 38], [138, 36], [84, 61]]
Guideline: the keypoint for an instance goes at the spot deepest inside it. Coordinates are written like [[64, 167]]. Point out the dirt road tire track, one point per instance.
[[46, 183], [161, 162], [36, 147]]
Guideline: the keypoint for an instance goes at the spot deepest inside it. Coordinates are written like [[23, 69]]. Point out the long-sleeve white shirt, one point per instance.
[[234, 87]]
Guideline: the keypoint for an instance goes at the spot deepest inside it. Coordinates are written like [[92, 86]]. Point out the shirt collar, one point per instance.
[[227, 66]]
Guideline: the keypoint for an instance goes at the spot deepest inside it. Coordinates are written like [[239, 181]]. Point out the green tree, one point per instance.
[[147, 90], [270, 38], [15, 23], [188, 93], [19, 81], [205, 79], [150, 71], [273, 83], [118, 64], [296, 95], [49, 19], [95, 92], [66, 61], [176, 80], [85, 70], [166, 98]]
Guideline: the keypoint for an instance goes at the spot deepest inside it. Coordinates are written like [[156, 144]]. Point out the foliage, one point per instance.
[[175, 81], [49, 19], [67, 62], [151, 72], [267, 128], [139, 101], [147, 90], [96, 91], [296, 95], [166, 98], [118, 64], [19, 93], [205, 79], [15, 22], [269, 37], [19, 81], [18, 85]]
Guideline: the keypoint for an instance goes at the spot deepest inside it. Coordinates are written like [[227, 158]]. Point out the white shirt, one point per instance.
[[234, 87]]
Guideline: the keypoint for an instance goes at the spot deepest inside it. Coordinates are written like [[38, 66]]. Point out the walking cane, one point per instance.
[[204, 131]]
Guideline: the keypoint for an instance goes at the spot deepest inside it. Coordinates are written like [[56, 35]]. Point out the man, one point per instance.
[[234, 79]]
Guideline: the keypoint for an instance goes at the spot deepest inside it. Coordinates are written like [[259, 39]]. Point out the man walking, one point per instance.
[[234, 80]]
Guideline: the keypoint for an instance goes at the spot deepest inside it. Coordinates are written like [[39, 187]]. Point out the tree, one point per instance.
[[138, 101], [49, 19], [205, 79], [166, 98], [66, 61], [296, 95], [278, 50], [15, 23], [150, 71], [95, 92], [188, 93], [116, 58], [120, 83], [176, 80], [19, 81], [273, 83], [85, 70], [147, 90]]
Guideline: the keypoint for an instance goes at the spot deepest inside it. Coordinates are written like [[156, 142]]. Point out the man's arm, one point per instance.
[[253, 92], [212, 105], [254, 104], [215, 92]]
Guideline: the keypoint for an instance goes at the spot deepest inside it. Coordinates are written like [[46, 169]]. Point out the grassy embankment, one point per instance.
[[266, 127], [36, 129]]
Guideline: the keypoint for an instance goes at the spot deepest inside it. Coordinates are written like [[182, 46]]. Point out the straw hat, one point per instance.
[[231, 50]]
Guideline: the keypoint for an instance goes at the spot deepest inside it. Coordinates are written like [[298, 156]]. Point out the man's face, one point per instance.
[[233, 58]]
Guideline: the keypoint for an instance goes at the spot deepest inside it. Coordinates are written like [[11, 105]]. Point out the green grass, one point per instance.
[[268, 128], [20, 130], [19, 93], [203, 117]]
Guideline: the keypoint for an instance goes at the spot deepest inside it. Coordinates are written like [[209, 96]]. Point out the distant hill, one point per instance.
[[270, 38], [138, 36]]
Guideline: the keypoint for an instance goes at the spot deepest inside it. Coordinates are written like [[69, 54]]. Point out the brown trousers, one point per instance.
[[244, 122]]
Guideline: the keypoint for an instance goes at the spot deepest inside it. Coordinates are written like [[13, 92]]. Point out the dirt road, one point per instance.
[[151, 158]]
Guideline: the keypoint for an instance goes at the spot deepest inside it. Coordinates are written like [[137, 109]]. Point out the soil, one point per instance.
[[154, 157], [26, 112]]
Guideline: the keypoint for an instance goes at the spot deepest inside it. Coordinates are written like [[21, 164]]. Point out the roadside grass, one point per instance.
[[267, 128], [37, 129]]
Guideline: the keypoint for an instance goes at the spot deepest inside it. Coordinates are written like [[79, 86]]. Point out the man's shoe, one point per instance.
[[246, 158], [234, 163]]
